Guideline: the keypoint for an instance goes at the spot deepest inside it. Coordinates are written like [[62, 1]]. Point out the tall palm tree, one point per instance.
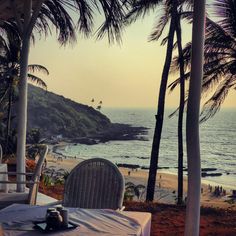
[[40, 17], [192, 121], [219, 59], [142, 7], [170, 9], [155, 36], [10, 71], [181, 111]]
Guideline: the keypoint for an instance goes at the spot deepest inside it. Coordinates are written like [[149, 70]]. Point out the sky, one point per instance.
[[126, 75]]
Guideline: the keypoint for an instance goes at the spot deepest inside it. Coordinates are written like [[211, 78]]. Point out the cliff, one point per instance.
[[57, 116]]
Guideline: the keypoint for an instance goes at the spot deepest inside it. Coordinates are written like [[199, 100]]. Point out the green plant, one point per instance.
[[52, 177], [132, 190], [47, 180]]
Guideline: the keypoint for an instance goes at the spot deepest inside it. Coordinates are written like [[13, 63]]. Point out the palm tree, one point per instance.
[[171, 14], [192, 121], [181, 111], [156, 35], [141, 7], [40, 17], [92, 101], [219, 59], [99, 107], [10, 70]]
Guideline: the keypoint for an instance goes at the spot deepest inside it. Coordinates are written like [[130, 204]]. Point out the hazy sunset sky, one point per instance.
[[126, 75]]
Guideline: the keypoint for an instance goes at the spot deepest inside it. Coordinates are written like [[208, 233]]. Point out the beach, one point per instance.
[[217, 140], [166, 183]]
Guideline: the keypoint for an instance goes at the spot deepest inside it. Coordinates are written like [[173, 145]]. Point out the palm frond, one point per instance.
[[85, 22], [173, 85], [113, 24], [164, 40], [56, 12], [217, 74], [187, 16], [212, 106], [38, 68], [37, 80], [160, 25], [177, 109], [141, 8], [187, 59], [188, 4], [225, 10], [216, 32]]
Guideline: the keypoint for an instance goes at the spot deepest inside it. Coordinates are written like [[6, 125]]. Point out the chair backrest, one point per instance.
[[36, 175], [95, 183]]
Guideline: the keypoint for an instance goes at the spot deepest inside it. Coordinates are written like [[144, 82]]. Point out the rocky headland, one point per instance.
[[61, 119]]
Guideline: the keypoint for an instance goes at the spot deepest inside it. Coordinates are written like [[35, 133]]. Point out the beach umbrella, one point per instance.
[[15, 9], [192, 121]]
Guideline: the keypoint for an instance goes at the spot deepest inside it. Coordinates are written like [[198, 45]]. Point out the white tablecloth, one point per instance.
[[17, 220], [3, 177]]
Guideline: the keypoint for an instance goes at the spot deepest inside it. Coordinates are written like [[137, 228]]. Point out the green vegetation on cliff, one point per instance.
[[55, 115]]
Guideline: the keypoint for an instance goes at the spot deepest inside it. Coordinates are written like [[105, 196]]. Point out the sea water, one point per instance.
[[217, 137]]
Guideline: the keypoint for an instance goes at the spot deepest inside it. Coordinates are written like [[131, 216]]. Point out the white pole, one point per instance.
[[22, 103], [192, 123]]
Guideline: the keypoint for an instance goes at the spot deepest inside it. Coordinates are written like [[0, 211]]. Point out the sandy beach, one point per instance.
[[166, 184]]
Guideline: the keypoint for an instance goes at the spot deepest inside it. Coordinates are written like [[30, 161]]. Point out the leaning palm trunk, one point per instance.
[[181, 112], [192, 126], [160, 110]]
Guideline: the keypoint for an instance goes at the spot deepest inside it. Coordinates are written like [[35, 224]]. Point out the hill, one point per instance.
[[57, 116]]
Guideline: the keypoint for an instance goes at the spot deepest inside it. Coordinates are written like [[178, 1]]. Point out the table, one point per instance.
[[3, 177], [17, 220]]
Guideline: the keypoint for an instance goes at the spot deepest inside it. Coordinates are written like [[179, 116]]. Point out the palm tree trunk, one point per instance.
[[181, 112], [192, 123], [9, 113], [160, 110], [29, 22], [22, 113], [22, 105]]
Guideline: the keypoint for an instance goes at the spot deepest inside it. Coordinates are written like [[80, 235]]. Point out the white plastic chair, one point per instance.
[[30, 197]]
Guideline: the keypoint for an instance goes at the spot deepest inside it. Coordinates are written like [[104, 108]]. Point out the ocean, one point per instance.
[[217, 137]]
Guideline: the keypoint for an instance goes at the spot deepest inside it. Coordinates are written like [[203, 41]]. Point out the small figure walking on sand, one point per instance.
[[224, 192], [210, 189], [221, 189]]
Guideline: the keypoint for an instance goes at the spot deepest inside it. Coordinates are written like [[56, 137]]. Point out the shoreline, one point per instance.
[[166, 184], [166, 170]]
